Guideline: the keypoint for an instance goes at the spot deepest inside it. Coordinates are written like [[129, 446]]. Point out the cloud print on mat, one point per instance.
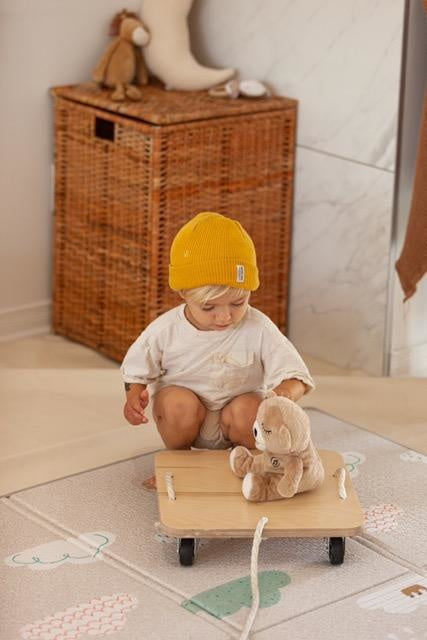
[[402, 596], [230, 597], [98, 617], [413, 456], [352, 461], [380, 518], [81, 550]]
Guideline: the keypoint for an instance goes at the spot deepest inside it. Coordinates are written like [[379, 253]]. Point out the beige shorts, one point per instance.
[[210, 434]]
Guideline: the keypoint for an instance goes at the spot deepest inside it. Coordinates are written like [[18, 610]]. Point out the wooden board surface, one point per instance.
[[209, 501]]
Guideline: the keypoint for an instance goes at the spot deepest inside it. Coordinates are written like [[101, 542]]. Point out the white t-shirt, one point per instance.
[[216, 365]]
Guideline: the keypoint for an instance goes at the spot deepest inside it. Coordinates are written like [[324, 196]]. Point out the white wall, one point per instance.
[[42, 43], [341, 60]]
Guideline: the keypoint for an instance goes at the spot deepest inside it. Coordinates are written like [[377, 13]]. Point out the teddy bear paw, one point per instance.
[[287, 492], [247, 485], [253, 487], [240, 460]]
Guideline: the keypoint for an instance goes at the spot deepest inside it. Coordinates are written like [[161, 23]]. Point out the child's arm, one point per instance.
[[141, 366], [136, 401], [284, 370], [293, 389]]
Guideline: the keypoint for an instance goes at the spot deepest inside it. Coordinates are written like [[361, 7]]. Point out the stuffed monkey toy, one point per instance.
[[121, 66]]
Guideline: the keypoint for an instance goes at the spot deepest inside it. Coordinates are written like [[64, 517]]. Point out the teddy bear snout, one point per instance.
[[140, 37]]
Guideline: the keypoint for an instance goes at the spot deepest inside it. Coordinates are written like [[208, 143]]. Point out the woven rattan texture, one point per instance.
[[168, 107], [123, 188]]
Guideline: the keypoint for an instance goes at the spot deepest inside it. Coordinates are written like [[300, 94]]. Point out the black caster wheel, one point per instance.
[[336, 550], [186, 551]]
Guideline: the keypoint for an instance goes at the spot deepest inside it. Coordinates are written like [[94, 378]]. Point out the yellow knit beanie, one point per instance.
[[213, 249]]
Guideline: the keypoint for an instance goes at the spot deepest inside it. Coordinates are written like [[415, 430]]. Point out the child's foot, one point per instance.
[[150, 483]]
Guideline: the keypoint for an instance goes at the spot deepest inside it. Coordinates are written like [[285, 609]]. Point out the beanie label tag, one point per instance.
[[240, 273]]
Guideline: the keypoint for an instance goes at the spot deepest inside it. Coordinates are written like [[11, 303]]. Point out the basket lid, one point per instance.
[[159, 106]]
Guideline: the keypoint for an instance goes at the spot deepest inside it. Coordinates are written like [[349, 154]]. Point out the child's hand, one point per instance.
[[136, 402]]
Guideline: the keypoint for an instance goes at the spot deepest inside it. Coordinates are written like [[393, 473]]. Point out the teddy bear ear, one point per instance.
[[285, 438], [270, 394]]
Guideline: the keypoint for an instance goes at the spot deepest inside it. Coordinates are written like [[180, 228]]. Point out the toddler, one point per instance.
[[209, 362]]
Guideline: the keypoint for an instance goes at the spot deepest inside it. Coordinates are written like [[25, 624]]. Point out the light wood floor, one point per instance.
[[61, 409], [55, 352]]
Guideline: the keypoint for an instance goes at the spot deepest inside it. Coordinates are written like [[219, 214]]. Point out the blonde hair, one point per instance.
[[203, 295]]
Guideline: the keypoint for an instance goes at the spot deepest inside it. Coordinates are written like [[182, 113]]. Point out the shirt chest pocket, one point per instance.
[[236, 368]]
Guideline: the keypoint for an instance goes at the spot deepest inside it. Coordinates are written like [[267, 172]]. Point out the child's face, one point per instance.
[[219, 314]]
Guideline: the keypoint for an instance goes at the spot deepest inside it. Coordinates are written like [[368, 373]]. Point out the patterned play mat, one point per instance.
[[83, 557]]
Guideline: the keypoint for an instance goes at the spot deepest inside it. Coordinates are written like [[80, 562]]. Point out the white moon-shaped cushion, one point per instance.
[[168, 55]]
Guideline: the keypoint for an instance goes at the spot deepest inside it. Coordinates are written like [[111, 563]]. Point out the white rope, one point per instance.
[[340, 475], [169, 486], [254, 578]]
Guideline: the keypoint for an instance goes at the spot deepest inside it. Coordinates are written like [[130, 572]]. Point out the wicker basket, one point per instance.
[[129, 175]]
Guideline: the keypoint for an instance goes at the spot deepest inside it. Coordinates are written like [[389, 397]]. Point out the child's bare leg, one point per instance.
[[179, 414], [238, 417]]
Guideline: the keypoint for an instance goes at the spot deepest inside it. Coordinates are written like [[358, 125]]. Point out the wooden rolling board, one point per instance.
[[209, 501]]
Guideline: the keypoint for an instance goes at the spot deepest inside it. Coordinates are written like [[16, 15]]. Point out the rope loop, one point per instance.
[[340, 475], [169, 486], [254, 578]]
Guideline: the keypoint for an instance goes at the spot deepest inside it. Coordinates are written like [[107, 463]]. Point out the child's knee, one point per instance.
[[178, 413], [238, 418], [178, 406], [242, 410]]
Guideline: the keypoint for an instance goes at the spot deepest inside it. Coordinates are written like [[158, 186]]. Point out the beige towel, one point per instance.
[[412, 264]]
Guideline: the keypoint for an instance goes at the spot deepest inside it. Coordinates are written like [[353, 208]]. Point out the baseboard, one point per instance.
[[410, 362], [25, 320]]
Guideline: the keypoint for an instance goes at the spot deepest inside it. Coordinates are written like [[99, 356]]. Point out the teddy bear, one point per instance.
[[122, 66], [289, 462]]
